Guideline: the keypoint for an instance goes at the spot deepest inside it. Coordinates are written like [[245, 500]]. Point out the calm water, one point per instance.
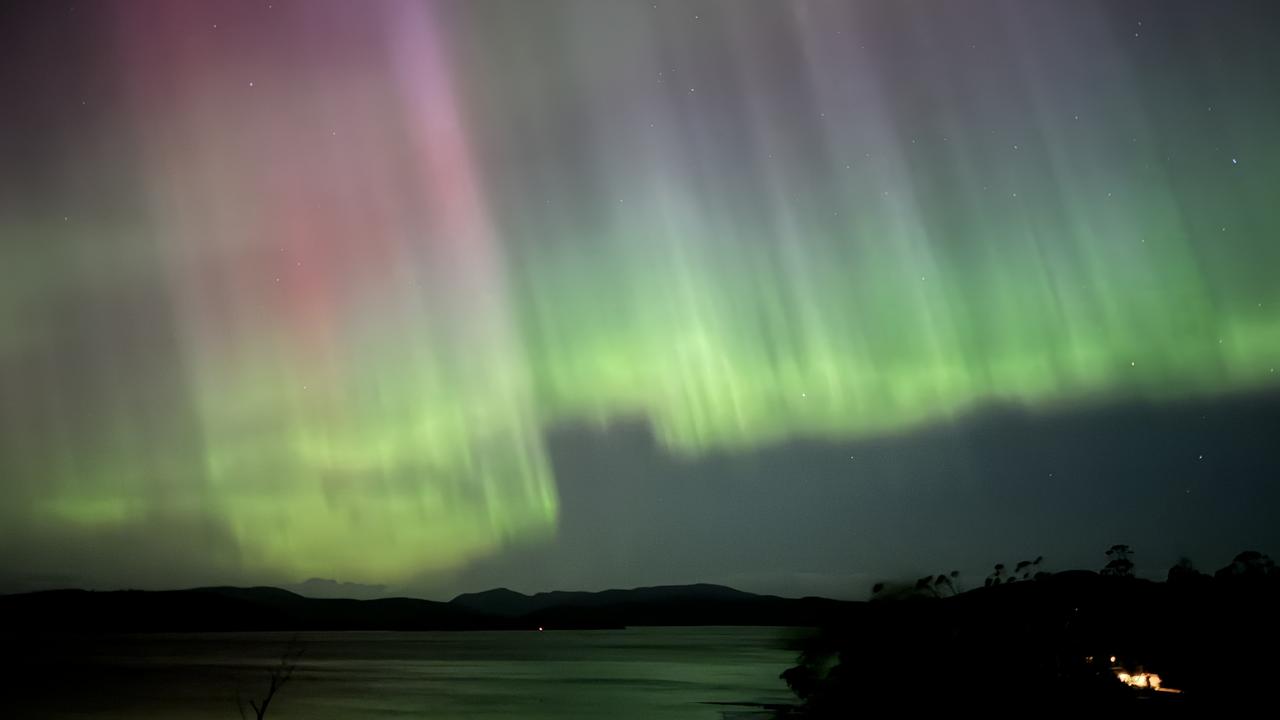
[[652, 673]]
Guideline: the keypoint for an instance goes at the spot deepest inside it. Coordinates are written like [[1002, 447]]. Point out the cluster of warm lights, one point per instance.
[[1139, 680]]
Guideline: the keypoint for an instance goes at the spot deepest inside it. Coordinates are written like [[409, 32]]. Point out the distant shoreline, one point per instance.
[[266, 609]]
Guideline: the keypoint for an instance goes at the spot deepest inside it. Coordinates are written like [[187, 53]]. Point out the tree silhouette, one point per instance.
[[948, 582], [280, 675], [1121, 562], [996, 577], [1028, 569], [929, 586], [1250, 565], [1183, 571]]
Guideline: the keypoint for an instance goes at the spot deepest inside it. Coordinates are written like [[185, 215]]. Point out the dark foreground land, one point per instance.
[[1065, 641], [1060, 642]]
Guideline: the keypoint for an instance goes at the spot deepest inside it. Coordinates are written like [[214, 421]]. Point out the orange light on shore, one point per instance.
[[1143, 681]]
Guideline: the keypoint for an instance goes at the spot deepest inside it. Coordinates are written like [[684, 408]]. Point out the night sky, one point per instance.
[[571, 294]]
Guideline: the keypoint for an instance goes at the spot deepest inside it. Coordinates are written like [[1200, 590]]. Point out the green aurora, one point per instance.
[[322, 297]]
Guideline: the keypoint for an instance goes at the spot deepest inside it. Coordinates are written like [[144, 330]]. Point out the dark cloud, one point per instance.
[[1195, 479], [327, 588]]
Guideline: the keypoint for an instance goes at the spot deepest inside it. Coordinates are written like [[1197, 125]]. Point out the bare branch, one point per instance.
[[280, 675]]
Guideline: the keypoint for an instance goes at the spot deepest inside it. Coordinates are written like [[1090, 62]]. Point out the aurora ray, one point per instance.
[[320, 276]]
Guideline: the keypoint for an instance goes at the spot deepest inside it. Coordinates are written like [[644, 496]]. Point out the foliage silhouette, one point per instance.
[[1120, 563]]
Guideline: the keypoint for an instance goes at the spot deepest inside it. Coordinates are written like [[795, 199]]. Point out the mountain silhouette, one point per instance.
[[216, 609], [509, 603]]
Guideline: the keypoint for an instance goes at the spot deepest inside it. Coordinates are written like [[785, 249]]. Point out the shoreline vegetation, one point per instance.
[[1031, 639]]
